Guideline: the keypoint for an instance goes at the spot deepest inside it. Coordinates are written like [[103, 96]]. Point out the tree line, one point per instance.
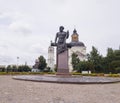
[[15, 68], [42, 66], [96, 63]]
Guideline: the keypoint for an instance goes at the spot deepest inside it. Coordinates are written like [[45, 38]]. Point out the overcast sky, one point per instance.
[[27, 26]]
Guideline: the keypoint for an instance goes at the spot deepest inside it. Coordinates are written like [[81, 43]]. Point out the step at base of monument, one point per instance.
[[63, 72], [63, 75]]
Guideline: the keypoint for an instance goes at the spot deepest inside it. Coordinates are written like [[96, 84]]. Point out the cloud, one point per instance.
[[38, 49], [28, 26], [5, 20], [6, 60], [20, 27], [15, 22]]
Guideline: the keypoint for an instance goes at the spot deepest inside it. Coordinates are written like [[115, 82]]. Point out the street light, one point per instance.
[[17, 61]]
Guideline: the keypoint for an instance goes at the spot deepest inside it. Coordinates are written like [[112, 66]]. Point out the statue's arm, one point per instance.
[[66, 37]]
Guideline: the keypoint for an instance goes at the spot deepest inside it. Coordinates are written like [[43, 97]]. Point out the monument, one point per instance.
[[63, 75], [62, 51]]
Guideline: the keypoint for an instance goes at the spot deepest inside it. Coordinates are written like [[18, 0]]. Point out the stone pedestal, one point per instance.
[[62, 64]]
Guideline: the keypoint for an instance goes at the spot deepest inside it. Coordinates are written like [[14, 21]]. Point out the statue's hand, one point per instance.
[[55, 43], [67, 33]]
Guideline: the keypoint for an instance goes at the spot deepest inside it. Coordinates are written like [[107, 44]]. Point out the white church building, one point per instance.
[[76, 47], [51, 58]]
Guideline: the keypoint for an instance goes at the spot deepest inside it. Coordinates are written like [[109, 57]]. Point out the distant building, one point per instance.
[[35, 67], [51, 58], [77, 47]]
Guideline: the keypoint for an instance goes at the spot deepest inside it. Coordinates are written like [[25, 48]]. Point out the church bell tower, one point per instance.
[[51, 57], [75, 36]]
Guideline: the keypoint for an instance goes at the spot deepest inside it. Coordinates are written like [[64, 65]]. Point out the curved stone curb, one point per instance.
[[70, 80]]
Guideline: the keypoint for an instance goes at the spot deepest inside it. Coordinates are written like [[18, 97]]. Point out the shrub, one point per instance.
[[100, 74], [76, 73], [113, 75]]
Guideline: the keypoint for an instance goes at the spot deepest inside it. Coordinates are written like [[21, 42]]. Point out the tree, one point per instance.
[[20, 69], [14, 68], [97, 63], [115, 64], [117, 70], [82, 66], [117, 54], [24, 68], [96, 59], [104, 64], [113, 60], [110, 57], [75, 61], [85, 66], [42, 63]]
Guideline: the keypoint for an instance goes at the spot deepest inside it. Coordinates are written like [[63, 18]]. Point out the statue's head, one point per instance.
[[61, 28]]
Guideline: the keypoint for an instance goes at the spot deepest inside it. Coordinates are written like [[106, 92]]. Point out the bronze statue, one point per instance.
[[60, 40], [62, 52]]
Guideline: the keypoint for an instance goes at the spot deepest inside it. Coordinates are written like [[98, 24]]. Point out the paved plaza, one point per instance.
[[16, 91]]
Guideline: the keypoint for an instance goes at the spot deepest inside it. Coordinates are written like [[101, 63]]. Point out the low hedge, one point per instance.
[[113, 75], [25, 73], [3, 73], [92, 74], [75, 73], [53, 73], [21, 73]]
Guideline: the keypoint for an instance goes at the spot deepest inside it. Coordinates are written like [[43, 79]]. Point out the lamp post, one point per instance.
[[17, 62]]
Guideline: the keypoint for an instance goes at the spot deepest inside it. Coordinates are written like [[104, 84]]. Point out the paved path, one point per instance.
[[15, 91]]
